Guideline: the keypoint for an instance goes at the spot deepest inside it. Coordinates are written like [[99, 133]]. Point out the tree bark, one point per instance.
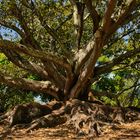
[[38, 86]]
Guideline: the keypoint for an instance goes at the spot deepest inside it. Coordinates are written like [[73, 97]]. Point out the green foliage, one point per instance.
[[10, 97], [8, 67], [123, 85], [108, 101], [123, 82]]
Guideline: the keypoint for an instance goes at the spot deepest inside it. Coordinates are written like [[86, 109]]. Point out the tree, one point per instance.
[[63, 41]]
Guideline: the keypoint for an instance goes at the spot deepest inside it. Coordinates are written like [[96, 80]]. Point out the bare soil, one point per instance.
[[124, 131]]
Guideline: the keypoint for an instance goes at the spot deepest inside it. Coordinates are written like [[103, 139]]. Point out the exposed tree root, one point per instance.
[[84, 118]]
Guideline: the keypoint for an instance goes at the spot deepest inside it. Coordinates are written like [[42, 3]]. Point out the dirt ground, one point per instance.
[[129, 131]]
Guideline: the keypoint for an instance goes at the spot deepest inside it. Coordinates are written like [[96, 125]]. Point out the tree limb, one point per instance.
[[123, 18], [19, 61], [45, 56], [45, 72], [87, 70], [107, 16], [108, 66], [84, 54], [34, 53], [78, 14], [38, 86], [54, 74], [93, 13]]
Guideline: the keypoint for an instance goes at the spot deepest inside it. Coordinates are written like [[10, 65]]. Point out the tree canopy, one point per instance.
[[65, 48]]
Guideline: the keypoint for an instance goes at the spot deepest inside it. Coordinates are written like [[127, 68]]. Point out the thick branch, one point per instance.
[[34, 53], [44, 56], [93, 13], [38, 86], [107, 16], [108, 66], [78, 13], [123, 17], [46, 72], [87, 70], [19, 61], [54, 74], [84, 54]]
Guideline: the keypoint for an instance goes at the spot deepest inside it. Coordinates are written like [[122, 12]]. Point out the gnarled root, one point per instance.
[[85, 118]]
